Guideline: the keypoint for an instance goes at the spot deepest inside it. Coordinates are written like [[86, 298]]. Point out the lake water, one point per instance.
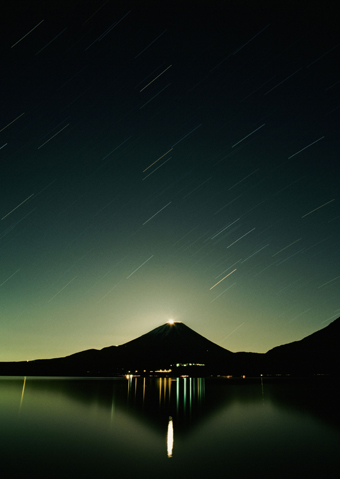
[[178, 428]]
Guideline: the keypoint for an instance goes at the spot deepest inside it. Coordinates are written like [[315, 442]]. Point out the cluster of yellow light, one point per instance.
[[189, 364]]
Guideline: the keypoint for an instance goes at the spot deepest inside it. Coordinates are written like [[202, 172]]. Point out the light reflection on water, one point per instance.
[[22, 392], [188, 427], [189, 392], [170, 437]]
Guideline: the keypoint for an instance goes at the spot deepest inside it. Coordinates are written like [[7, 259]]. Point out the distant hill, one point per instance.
[[318, 353], [177, 347]]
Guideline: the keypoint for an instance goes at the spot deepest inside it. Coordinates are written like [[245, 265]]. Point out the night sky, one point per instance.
[[167, 160]]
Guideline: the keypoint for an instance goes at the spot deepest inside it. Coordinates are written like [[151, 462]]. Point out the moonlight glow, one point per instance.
[[157, 162]]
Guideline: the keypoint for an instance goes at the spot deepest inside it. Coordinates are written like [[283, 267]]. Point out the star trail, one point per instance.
[[167, 160]]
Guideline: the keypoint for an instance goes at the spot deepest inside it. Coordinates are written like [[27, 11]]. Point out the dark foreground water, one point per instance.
[[178, 428]]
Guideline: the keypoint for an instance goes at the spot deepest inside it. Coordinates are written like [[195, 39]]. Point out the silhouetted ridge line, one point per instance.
[[180, 350], [318, 353]]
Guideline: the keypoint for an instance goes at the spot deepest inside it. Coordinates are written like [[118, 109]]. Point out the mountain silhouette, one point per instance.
[[176, 347], [317, 353], [169, 344]]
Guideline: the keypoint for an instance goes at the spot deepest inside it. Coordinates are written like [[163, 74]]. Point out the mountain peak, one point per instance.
[[173, 342]]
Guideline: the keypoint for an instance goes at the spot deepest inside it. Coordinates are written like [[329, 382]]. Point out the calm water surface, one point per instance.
[[182, 428]]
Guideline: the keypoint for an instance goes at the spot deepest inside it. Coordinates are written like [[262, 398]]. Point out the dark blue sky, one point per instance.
[[167, 160]]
